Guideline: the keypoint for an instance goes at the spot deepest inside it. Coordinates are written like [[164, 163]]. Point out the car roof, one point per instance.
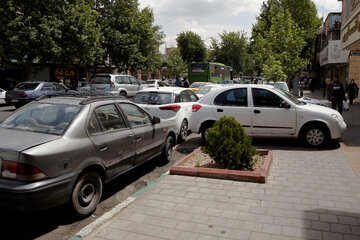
[[78, 99], [164, 89]]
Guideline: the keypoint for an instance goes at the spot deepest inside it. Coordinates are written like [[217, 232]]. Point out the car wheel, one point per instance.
[[123, 94], [315, 136], [183, 131], [168, 149], [86, 194], [17, 106], [205, 131]]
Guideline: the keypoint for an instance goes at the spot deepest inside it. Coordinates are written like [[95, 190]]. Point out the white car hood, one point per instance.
[[317, 109]]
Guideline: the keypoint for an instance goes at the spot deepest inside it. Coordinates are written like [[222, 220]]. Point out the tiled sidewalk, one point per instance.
[[309, 195]]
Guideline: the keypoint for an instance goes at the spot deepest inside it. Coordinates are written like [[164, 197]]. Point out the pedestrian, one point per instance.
[[352, 90], [336, 94], [312, 84], [186, 83], [177, 82], [323, 86]]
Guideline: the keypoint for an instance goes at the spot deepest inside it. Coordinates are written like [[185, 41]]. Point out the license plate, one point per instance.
[[14, 100], [100, 88]]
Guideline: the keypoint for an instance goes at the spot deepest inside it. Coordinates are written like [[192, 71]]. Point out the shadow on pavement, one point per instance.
[[330, 224]]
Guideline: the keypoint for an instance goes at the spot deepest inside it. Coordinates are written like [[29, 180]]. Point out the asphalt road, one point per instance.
[[60, 222]]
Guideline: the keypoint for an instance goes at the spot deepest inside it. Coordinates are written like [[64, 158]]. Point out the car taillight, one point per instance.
[[196, 107], [112, 84], [23, 95], [19, 171], [6, 94], [174, 108]]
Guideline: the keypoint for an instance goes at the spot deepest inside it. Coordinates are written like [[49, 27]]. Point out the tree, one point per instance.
[[283, 42], [191, 46], [175, 65], [48, 32], [231, 50]]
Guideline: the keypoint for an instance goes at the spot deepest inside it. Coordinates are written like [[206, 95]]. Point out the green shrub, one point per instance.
[[228, 144]]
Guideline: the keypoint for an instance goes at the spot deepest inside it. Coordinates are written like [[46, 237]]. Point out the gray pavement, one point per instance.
[[310, 194]]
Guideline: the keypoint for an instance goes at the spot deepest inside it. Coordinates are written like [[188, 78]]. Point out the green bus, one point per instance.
[[209, 72]]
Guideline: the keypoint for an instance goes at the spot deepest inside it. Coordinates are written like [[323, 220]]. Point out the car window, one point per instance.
[[42, 118], [184, 96], [134, 81], [101, 80], [94, 125], [153, 98], [193, 96], [47, 87], [125, 80], [109, 117], [58, 87], [233, 97], [137, 116], [119, 80], [265, 98], [27, 86]]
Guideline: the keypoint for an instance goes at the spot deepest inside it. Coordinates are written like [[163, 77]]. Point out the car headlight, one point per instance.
[[337, 117]]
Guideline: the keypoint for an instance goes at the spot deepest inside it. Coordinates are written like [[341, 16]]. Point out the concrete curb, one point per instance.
[[108, 215], [236, 175]]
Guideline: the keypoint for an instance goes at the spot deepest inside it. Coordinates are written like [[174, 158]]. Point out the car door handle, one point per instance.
[[220, 110], [257, 111], [138, 139], [103, 147]]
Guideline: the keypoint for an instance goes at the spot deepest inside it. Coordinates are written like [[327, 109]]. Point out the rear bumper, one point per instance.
[[29, 197], [17, 101]]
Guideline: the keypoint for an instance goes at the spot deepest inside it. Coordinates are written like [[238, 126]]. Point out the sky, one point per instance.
[[209, 18]]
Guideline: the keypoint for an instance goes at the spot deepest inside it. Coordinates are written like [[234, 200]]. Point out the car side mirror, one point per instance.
[[284, 104], [155, 120]]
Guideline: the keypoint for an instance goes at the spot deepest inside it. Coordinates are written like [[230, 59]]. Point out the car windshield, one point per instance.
[[27, 86], [281, 85], [153, 98], [204, 89], [42, 118], [196, 85], [102, 80], [289, 96]]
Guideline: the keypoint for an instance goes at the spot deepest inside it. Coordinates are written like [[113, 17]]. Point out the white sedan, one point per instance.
[[172, 103], [267, 111], [2, 96]]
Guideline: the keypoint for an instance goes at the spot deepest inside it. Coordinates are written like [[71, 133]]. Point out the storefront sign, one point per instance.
[[333, 54], [351, 31]]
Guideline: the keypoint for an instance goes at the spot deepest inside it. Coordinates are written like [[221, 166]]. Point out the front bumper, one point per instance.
[[338, 130], [34, 196]]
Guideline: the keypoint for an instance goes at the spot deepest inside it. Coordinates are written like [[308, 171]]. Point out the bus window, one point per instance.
[[198, 67]]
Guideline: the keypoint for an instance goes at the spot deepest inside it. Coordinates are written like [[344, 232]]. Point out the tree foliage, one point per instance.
[[175, 65], [48, 31], [191, 46], [231, 50], [283, 41]]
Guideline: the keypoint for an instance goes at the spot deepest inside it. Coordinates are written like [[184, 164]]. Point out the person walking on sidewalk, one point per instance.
[[352, 90], [336, 94]]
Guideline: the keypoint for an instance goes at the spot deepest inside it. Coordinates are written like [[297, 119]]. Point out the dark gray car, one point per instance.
[[26, 92], [62, 149]]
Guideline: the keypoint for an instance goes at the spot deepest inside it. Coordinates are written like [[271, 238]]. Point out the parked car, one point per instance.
[[171, 103], [227, 82], [116, 84], [64, 149], [267, 111], [83, 87], [206, 88], [154, 83], [26, 92], [195, 85], [2, 96]]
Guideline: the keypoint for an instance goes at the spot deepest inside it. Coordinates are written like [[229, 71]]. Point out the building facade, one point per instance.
[[350, 36]]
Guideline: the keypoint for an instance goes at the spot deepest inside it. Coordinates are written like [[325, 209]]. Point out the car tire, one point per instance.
[[315, 135], [167, 150], [18, 105], [205, 129], [86, 194], [123, 94], [184, 128]]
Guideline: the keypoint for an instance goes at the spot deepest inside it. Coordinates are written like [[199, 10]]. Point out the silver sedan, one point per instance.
[[62, 149]]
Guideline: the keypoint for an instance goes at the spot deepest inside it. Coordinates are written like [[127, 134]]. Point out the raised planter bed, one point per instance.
[[237, 175]]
